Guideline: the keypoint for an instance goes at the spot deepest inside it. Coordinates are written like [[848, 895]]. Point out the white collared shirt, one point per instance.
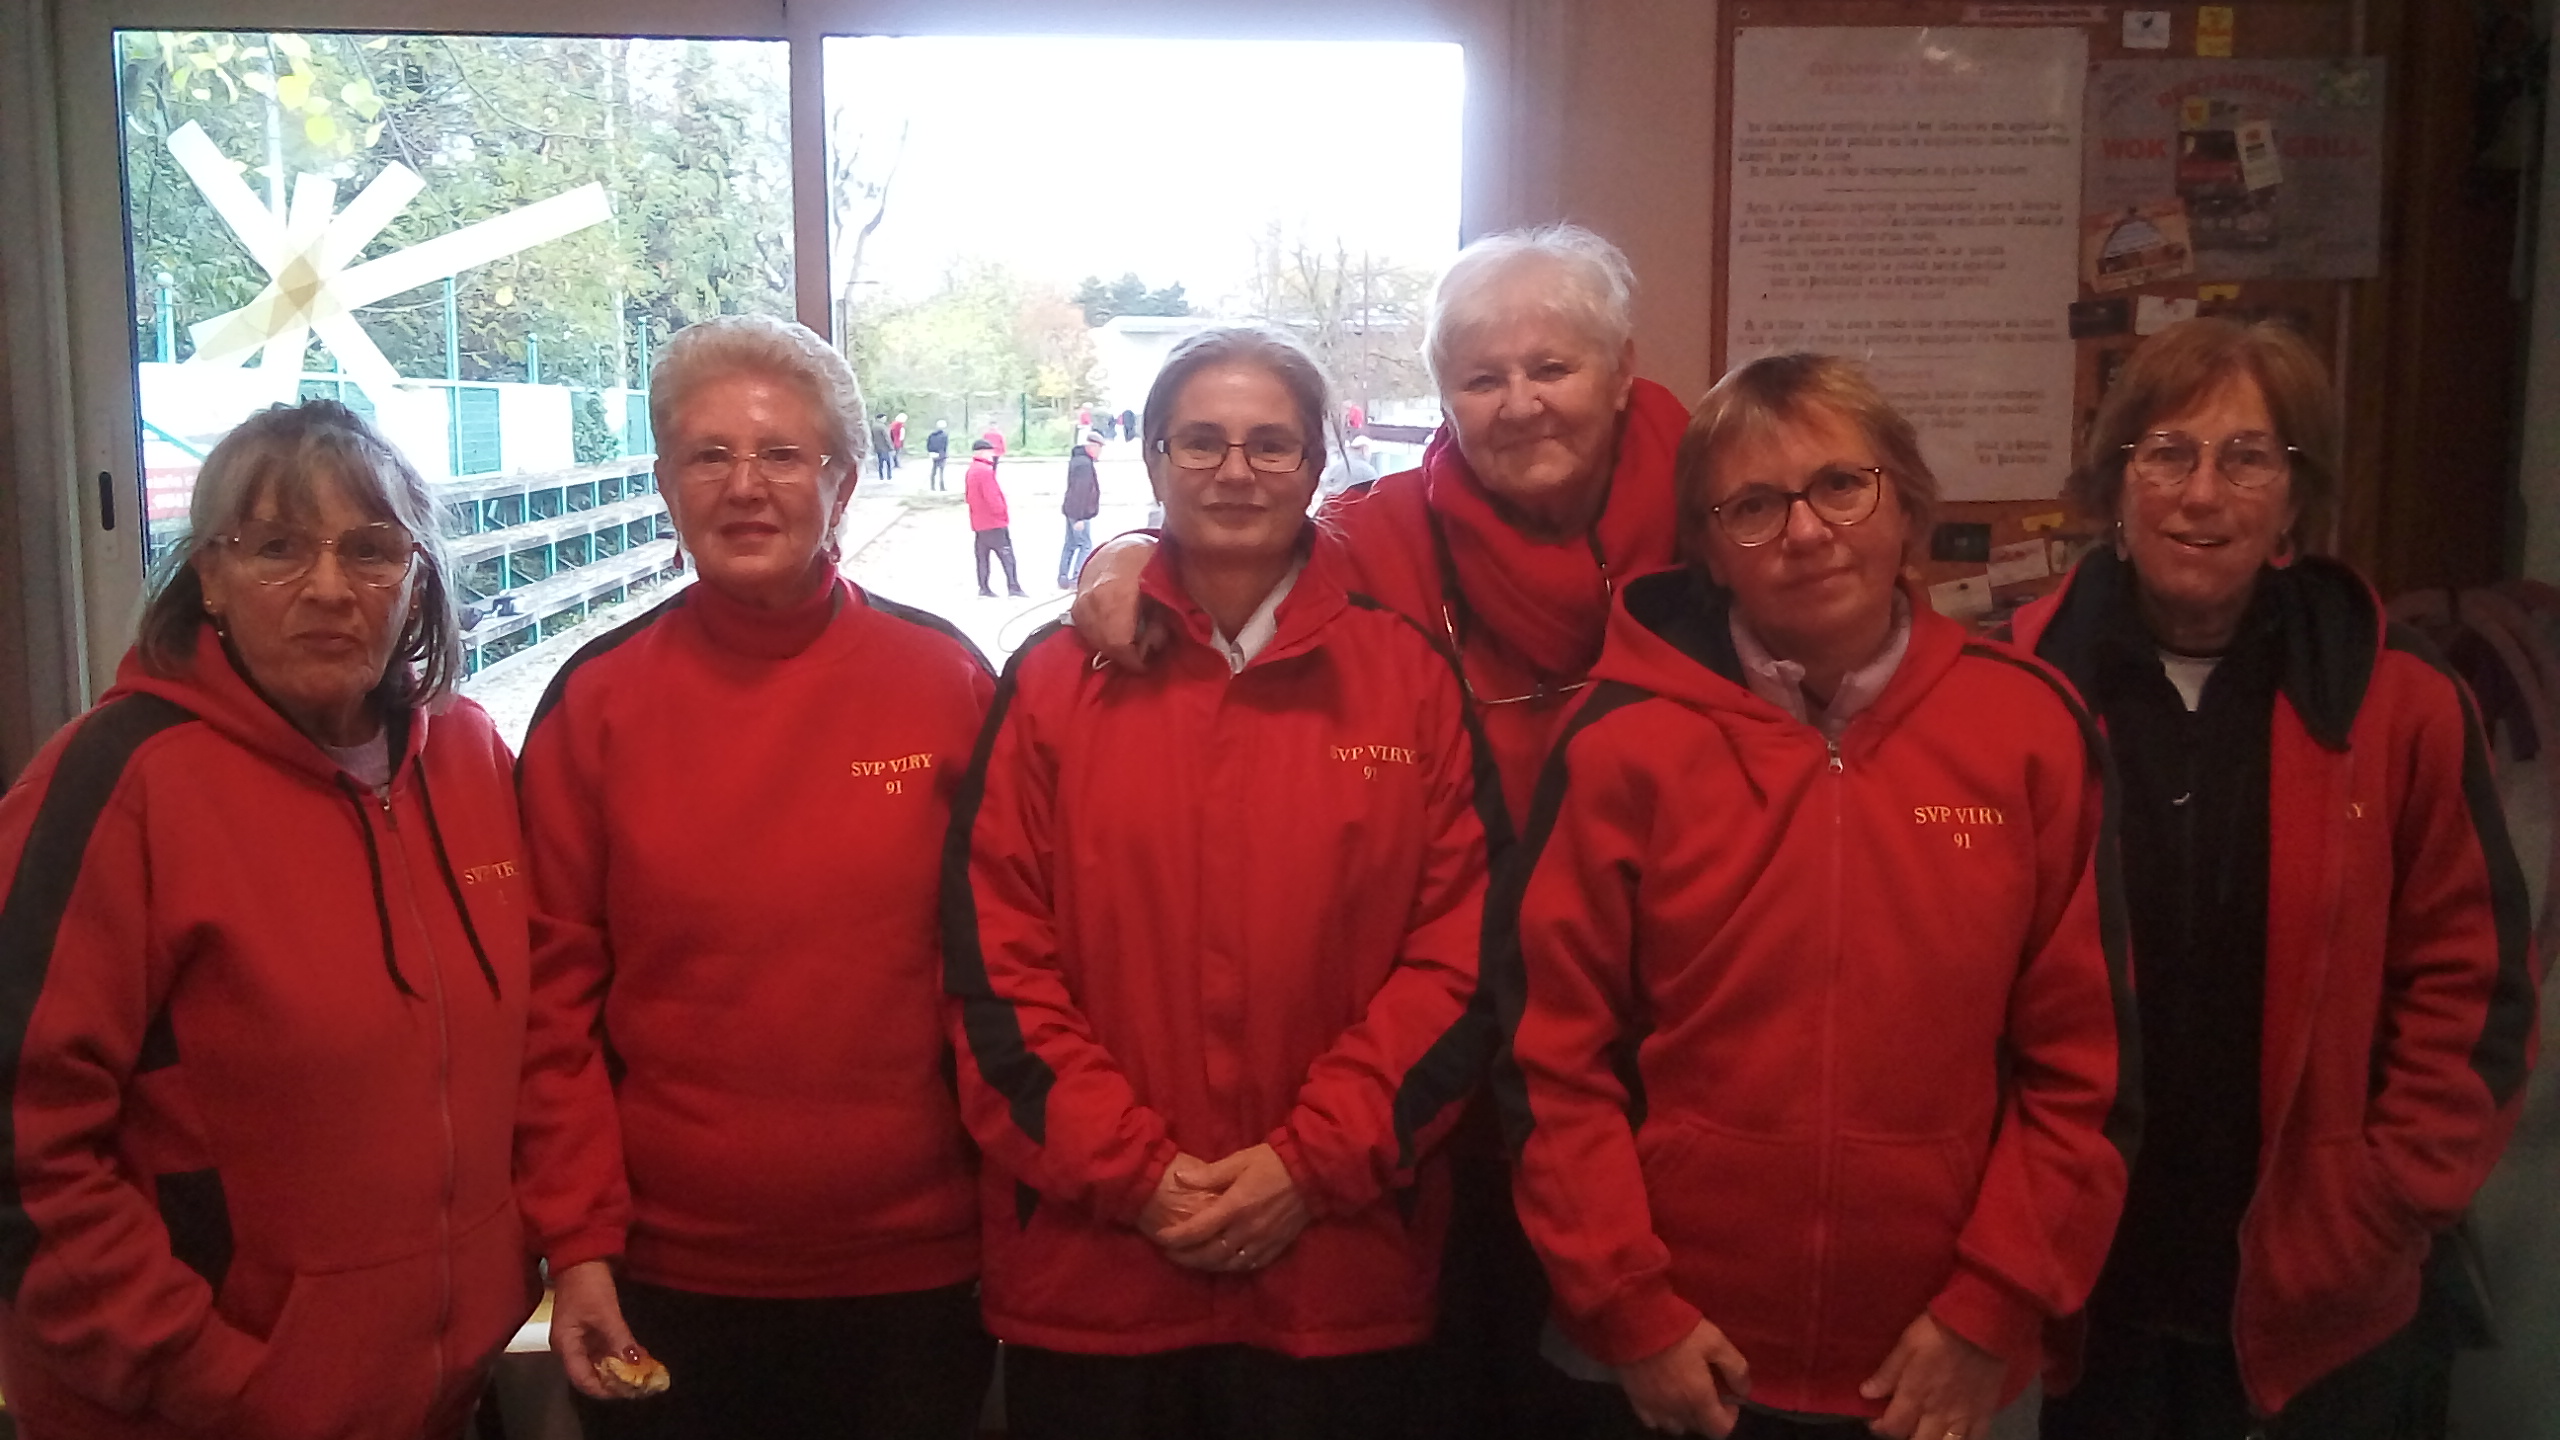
[[1261, 625], [1781, 682]]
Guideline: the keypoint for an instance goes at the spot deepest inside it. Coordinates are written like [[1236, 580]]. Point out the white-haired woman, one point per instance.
[[263, 953], [1547, 486], [735, 804]]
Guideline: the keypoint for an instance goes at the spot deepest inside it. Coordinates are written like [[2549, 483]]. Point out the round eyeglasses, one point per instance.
[[276, 553], [1836, 494], [2249, 460]]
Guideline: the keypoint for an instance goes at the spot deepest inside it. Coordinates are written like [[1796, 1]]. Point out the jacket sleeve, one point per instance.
[[1563, 917], [570, 1181], [86, 1264], [1391, 1085], [1038, 1090], [2457, 1032], [2054, 1183]]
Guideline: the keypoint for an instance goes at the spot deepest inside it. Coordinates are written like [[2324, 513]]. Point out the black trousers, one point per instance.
[[1217, 1392], [1487, 1379], [999, 543], [934, 477], [2144, 1385], [1606, 1414], [910, 1366]]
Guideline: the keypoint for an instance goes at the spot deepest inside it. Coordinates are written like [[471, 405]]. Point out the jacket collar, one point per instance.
[[216, 690], [2328, 621], [1319, 594]]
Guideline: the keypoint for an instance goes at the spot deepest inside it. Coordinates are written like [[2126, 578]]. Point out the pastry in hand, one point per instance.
[[643, 1376]]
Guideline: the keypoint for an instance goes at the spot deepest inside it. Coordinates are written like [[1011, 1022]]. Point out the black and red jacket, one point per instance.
[[2400, 1011], [263, 1031], [1807, 1037], [739, 1079], [1195, 911]]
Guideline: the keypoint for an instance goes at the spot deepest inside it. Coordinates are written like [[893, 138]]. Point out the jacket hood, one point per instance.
[[2331, 623], [219, 692], [1671, 634]]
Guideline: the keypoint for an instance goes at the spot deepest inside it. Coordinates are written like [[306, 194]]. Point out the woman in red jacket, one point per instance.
[[1816, 1045], [263, 948], [2329, 925], [1547, 486], [740, 1091], [1211, 933]]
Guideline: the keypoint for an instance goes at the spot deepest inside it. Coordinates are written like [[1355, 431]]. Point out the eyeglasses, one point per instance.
[[1837, 495], [774, 464], [2250, 460], [275, 553], [1272, 454]]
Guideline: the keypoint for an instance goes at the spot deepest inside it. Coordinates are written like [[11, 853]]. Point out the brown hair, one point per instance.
[[284, 450], [2180, 368], [1286, 359], [1757, 397]]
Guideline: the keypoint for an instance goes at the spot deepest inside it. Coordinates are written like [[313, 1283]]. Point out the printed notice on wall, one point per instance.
[[1910, 198], [2275, 164]]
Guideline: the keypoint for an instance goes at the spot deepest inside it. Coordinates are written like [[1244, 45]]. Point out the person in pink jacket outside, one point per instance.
[[989, 520]]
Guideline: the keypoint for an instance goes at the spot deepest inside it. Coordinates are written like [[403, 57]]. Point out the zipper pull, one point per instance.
[[391, 819], [1836, 766]]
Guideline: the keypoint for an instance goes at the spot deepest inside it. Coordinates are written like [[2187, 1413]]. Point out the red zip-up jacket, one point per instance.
[[1195, 911], [1813, 1038], [740, 1081], [264, 1032], [987, 510], [2401, 1006]]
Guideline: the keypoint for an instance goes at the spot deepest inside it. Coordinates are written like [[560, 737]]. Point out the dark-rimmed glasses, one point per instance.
[[2249, 459], [274, 552], [1836, 494], [1273, 453]]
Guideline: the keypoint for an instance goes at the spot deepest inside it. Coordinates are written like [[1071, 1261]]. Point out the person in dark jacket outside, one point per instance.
[[990, 520], [938, 445], [1208, 1056], [2330, 934], [264, 952], [1547, 486], [884, 454], [734, 804], [1083, 502], [1820, 1029]]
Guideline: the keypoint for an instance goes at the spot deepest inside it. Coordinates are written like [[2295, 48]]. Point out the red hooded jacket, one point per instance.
[[987, 509], [264, 1036], [2401, 1001], [1195, 911], [739, 1077], [1807, 1037]]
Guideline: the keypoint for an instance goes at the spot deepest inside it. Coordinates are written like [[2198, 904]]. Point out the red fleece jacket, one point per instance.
[[1812, 1038], [264, 1032], [739, 1077]]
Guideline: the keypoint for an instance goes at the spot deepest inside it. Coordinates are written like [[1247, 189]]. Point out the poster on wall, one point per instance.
[[1910, 198], [2275, 164]]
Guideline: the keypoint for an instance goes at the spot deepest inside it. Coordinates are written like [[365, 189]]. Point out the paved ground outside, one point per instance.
[[912, 545]]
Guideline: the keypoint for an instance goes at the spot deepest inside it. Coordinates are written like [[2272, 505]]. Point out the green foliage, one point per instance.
[[987, 335], [590, 438], [1361, 315], [691, 139], [1127, 295]]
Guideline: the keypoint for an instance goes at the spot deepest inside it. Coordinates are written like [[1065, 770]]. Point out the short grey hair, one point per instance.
[[284, 451], [1596, 296], [763, 345]]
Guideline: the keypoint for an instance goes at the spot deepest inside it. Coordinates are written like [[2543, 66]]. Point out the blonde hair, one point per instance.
[[1755, 398], [762, 345]]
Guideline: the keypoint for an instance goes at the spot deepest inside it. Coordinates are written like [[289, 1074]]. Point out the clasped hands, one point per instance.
[[1236, 1214]]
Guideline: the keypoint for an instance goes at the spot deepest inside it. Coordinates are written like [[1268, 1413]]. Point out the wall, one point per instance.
[[2539, 458]]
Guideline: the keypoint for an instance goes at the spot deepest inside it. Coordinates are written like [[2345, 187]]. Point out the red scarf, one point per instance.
[[1547, 601]]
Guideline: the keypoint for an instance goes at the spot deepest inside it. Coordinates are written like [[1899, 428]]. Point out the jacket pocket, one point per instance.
[[2332, 1237], [1898, 1206], [342, 1360], [1738, 1213]]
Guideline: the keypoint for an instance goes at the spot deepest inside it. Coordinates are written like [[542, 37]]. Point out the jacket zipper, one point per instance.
[[1827, 1172], [444, 1090]]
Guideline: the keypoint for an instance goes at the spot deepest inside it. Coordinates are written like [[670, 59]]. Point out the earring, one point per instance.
[[2122, 552], [2283, 554]]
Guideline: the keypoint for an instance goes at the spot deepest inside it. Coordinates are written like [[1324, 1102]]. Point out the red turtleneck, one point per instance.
[[735, 817]]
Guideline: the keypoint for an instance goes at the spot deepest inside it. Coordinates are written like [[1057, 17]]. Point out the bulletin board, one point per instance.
[[2257, 161]]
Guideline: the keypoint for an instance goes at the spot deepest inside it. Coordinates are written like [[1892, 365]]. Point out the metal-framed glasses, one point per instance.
[[774, 464], [274, 552], [1273, 452], [1836, 494], [2249, 459]]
